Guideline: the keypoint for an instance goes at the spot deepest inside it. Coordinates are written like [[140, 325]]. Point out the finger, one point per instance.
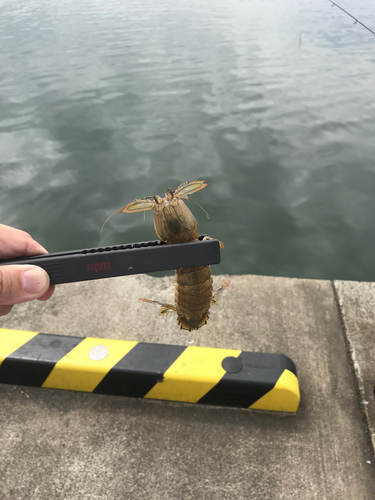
[[22, 283], [48, 293], [4, 310], [17, 243]]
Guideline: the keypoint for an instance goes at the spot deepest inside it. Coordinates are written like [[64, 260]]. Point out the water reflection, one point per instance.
[[102, 102]]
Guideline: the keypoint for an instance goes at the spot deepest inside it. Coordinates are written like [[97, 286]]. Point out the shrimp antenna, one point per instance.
[[108, 219], [200, 207]]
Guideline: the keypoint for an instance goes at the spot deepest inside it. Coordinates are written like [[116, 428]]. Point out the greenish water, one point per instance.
[[105, 101]]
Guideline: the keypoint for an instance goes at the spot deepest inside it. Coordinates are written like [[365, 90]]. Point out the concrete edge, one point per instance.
[[356, 370]]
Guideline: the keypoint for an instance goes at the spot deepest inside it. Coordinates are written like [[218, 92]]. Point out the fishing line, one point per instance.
[[356, 20]]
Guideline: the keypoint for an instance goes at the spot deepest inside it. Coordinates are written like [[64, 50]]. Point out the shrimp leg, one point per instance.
[[219, 290], [165, 308]]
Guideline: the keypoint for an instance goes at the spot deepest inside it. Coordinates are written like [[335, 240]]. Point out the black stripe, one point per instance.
[[139, 370], [33, 362], [259, 374]]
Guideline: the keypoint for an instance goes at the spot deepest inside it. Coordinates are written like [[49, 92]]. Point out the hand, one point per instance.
[[20, 283]]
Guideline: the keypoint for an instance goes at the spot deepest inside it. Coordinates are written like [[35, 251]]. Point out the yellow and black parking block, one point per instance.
[[190, 374]]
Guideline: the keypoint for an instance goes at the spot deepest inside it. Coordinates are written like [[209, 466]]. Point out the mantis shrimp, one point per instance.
[[174, 223]]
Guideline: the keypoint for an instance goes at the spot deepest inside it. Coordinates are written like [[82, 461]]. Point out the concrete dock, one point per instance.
[[67, 445]]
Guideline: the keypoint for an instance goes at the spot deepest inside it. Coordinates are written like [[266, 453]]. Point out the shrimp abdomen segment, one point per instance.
[[193, 295]]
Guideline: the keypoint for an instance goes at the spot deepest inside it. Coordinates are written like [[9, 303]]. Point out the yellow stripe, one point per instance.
[[192, 375], [284, 396], [78, 372], [11, 340]]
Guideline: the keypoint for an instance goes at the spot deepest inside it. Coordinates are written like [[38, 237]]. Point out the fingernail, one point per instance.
[[34, 280]]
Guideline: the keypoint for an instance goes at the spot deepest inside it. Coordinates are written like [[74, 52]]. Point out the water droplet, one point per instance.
[[190, 341]]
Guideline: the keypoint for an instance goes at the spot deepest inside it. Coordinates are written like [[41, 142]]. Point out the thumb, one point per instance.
[[22, 283]]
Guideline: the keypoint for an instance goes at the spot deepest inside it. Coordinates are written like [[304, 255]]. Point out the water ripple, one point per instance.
[[102, 102]]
